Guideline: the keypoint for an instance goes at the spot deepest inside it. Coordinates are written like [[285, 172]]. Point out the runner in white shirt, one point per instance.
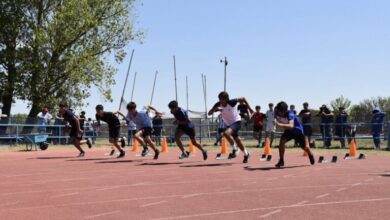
[[232, 120], [270, 126]]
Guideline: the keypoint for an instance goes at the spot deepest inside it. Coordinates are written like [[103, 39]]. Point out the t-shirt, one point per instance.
[[242, 108], [181, 115], [229, 112], [258, 118], [288, 117], [141, 119], [306, 118], [110, 119], [270, 116], [157, 122], [132, 126], [70, 117], [44, 117], [377, 122]]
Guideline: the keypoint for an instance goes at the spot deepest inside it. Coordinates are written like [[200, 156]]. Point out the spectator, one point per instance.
[[305, 116], [341, 125], [325, 126], [270, 126], [377, 126], [58, 130], [258, 119], [157, 128], [89, 130], [82, 119], [221, 129], [44, 118], [292, 109], [244, 112]]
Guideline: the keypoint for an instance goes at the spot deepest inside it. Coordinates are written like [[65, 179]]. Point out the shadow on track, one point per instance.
[[119, 161], [50, 158], [209, 165], [272, 168], [90, 159]]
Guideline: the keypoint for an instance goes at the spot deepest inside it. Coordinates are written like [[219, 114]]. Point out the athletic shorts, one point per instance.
[[236, 126], [187, 130], [75, 134], [114, 132], [258, 128], [297, 135], [147, 131]]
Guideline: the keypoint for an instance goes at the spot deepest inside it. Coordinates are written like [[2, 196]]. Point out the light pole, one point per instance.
[[225, 64]]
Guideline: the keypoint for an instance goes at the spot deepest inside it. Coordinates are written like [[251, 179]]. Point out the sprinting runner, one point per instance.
[[184, 126], [232, 120], [144, 126], [270, 126], [114, 128], [293, 129], [76, 133], [258, 119]]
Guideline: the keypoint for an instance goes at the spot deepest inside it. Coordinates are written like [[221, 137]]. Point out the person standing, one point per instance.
[[132, 128], [305, 116], [377, 121], [221, 129], [341, 125], [44, 118], [326, 125], [157, 128], [270, 126], [258, 120]]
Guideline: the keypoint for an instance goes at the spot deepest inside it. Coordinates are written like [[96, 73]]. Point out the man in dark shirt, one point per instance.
[[76, 132], [341, 125], [305, 116], [157, 128], [184, 126], [114, 128], [325, 126], [244, 112]]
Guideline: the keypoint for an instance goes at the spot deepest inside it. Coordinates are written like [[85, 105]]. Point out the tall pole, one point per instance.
[[127, 76], [174, 71], [154, 84], [132, 91], [187, 90], [225, 62]]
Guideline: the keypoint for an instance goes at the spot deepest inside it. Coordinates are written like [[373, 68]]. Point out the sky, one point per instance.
[[290, 50]]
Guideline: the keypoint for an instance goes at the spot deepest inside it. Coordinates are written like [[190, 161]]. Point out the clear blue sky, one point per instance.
[[291, 50]]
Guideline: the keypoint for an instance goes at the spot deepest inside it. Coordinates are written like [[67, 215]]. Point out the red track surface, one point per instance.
[[53, 184]]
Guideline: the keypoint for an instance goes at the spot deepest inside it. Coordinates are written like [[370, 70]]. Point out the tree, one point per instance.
[[363, 111], [340, 102], [67, 44]]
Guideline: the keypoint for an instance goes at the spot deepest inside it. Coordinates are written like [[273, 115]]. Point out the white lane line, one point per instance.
[[356, 184], [63, 195], [341, 189], [102, 215], [368, 180], [322, 196], [301, 203], [274, 207], [154, 203], [193, 195], [270, 213]]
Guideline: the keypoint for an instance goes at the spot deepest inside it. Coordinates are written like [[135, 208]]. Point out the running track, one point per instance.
[[53, 184]]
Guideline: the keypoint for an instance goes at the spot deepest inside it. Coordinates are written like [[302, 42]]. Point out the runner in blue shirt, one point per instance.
[[293, 129], [144, 127]]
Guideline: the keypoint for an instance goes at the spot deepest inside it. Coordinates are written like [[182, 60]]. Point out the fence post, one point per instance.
[[17, 133], [388, 136]]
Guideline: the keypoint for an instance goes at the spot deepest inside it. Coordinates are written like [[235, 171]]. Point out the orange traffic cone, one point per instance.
[[164, 145], [267, 151], [352, 149], [135, 145], [192, 148], [224, 149]]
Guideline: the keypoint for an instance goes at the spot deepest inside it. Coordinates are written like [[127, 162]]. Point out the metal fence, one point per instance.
[[206, 130]]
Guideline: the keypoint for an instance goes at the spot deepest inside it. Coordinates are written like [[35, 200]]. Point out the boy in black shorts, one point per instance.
[[76, 133], [114, 128], [293, 129], [184, 126], [232, 121]]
